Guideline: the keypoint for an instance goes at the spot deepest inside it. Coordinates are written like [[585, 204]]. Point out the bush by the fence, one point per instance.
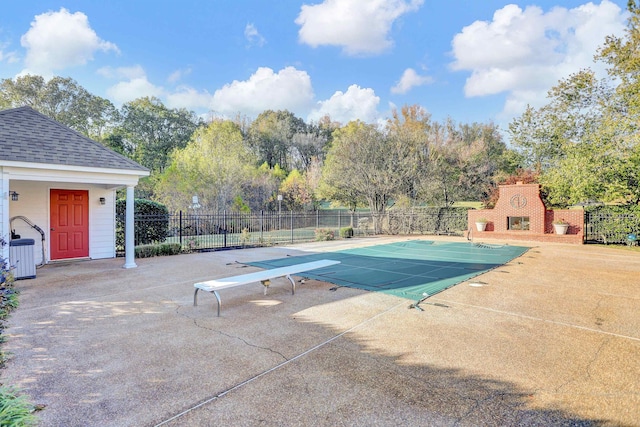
[[612, 224], [323, 234], [154, 227], [346, 232], [148, 251], [169, 249]]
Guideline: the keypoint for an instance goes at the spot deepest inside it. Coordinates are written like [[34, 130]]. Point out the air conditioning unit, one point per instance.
[[21, 258]]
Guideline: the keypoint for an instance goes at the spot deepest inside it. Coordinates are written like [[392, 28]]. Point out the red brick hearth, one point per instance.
[[520, 214]]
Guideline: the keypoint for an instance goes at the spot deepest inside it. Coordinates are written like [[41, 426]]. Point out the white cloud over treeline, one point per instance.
[[60, 40], [524, 52], [520, 53]]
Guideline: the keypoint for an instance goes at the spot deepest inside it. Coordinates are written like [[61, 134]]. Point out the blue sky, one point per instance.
[[471, 60]]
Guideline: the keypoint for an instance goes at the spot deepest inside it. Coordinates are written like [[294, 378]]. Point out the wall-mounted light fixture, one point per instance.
[[14, 196], [103, 201]]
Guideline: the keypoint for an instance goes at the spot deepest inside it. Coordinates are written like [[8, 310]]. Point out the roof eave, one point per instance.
[[72, 168]]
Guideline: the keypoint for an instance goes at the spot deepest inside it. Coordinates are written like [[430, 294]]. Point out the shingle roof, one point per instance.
[[29, 136]]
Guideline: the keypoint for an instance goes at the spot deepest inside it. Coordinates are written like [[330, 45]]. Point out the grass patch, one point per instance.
[[470, 205], [15, 410], [629, 248]]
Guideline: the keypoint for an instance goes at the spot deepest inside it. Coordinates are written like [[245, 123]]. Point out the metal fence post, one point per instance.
[[180, 228], [291, 226], [224, 229]]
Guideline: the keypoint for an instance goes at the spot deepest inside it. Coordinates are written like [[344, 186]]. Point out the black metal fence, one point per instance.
[[210, 231], [194, 232], [611, 228]]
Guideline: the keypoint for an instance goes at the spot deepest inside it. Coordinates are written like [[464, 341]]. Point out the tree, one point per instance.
[[479, 156], [621, 56], [261, 191], [62, 99], [151, 131], [308, 145], [295, 192], [409, 130], [585, 140], [270, 137], [448, 161], [214, 165], [364, 164], [411, 161]]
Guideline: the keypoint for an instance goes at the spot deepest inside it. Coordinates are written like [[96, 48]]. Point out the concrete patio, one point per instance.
[[551, 338]]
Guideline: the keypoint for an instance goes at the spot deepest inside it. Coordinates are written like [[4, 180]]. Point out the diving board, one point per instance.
[[263, 277]]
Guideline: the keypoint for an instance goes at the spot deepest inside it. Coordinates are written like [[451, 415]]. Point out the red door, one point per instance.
[[69, 224]]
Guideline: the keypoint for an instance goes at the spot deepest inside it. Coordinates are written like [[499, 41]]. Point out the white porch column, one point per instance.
[[129, 243]]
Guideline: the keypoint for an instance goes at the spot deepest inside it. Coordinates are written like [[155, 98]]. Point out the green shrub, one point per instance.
[[6, 276], [8, 296], [152, 222], [190, 245], [245, 237], [323, 234], [346, 232], [169, 249], [146, 251], [8, 299], [162, 249], [15, 410]]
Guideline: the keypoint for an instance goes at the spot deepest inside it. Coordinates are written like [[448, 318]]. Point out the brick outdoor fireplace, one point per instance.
[[520, 214]]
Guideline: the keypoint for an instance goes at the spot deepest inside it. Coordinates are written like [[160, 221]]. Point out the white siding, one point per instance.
[[102, 225], [34, 204]]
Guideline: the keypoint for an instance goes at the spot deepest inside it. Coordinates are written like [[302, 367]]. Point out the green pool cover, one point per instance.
[[413, 269]]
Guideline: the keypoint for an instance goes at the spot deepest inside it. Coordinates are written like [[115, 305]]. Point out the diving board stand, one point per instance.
[[263, 277]]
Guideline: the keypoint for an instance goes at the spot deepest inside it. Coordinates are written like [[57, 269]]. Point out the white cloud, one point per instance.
[[355, 103], [409, 80], [129, 90], [177, 75], [134, 84], [359, 26], [189, 98], [10, 57], [60, 40], [288, 89], [133, 72], [254, 38], [525, 52]]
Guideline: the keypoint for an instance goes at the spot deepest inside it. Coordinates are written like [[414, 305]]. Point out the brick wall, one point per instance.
[[523, 201]]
